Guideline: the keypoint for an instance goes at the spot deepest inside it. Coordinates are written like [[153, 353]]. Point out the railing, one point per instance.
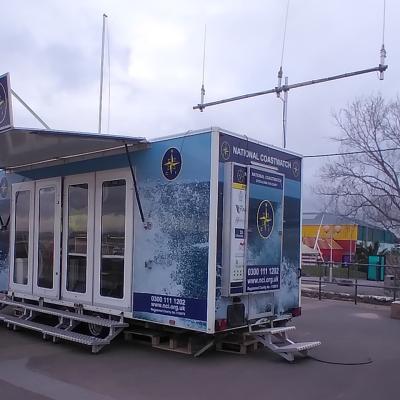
[[355, 277]]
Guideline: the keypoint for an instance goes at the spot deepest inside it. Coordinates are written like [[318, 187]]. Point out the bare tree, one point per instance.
[[366, 184]]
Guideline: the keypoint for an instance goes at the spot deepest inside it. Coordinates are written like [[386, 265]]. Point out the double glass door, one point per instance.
[[35, 238], [92, 262]]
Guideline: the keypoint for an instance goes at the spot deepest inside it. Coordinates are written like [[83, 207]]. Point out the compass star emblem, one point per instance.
[[225, 151], [296, 169], [171, 163], [265, 219]]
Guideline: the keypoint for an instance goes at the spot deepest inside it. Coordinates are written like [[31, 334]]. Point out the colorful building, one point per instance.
[[336, 237]]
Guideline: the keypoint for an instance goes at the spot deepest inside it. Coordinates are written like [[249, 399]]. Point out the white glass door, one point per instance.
[[47, 235], [21, 237], [78, 222], [113, 239]]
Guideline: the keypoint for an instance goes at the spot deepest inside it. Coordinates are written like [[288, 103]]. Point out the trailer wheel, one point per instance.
[[96, 330]]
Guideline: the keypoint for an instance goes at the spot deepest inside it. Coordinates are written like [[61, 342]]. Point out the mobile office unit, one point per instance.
[[199, 231]]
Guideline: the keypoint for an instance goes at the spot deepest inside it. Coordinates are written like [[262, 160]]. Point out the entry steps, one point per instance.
[[68, 321], [274, 338], [277, 340]]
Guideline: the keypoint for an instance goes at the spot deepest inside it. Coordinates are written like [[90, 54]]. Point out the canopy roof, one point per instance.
[[323, 244], [308, 250], [23, 147]]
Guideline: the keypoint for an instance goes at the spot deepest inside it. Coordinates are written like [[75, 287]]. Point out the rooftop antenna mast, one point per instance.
[[280, 74], [202, 90], [381, 68], [102, 69]]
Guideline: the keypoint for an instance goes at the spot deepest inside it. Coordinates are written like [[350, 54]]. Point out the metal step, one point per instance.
[[294, 347], [68, 314], [271, 331], [276, 339], [55, 332]]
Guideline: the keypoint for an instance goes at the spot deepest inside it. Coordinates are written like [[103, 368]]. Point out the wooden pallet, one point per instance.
[[154, 338], [179, 342], [237, 345]]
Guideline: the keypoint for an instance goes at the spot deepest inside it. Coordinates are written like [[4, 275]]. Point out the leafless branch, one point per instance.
[[366, 185]]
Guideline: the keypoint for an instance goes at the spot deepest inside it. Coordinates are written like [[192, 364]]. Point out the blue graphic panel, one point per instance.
[[171, 258], [246, 152], [264, 248]]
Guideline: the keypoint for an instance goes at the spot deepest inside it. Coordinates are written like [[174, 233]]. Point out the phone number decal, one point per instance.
[[260, 278], [170, 305]]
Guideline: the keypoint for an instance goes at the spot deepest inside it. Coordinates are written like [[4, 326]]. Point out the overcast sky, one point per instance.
[[52, 50]]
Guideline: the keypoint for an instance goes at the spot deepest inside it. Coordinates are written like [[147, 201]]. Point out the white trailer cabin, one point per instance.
[[198, 232]]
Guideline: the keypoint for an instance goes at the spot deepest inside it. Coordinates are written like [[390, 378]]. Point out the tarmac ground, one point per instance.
[[31, 368]]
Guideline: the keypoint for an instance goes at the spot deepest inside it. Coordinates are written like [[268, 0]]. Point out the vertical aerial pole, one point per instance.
[[383, 50], [203, 90], [284, 120], [101, 70], [280, 88]]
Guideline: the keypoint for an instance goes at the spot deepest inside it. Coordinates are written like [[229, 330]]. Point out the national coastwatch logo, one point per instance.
[[296, 168], [241, 175], [265, 219], [225, 151], [171, 163]]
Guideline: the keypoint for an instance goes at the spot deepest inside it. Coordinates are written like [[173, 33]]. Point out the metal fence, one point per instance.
[[355, 277]]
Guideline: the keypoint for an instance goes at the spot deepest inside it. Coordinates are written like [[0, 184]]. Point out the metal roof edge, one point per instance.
[[227, 132], [182, 134], [105, 136]]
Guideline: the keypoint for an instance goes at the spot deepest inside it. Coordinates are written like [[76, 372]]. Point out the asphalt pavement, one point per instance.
[[31, 368]]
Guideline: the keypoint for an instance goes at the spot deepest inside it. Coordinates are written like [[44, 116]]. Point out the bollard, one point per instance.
[[319, 287], [355, 292]]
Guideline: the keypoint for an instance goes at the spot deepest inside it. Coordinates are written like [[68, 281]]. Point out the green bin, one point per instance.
[[376, 268]]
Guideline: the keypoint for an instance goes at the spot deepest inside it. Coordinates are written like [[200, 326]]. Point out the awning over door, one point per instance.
[[22, 147]]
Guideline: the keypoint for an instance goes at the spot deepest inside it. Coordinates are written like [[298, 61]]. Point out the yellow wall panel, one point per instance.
[[347, 232]]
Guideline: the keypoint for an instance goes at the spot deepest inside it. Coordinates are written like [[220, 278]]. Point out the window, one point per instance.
[[77, 237], [45, 252], [113, 238], [22, 237]]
